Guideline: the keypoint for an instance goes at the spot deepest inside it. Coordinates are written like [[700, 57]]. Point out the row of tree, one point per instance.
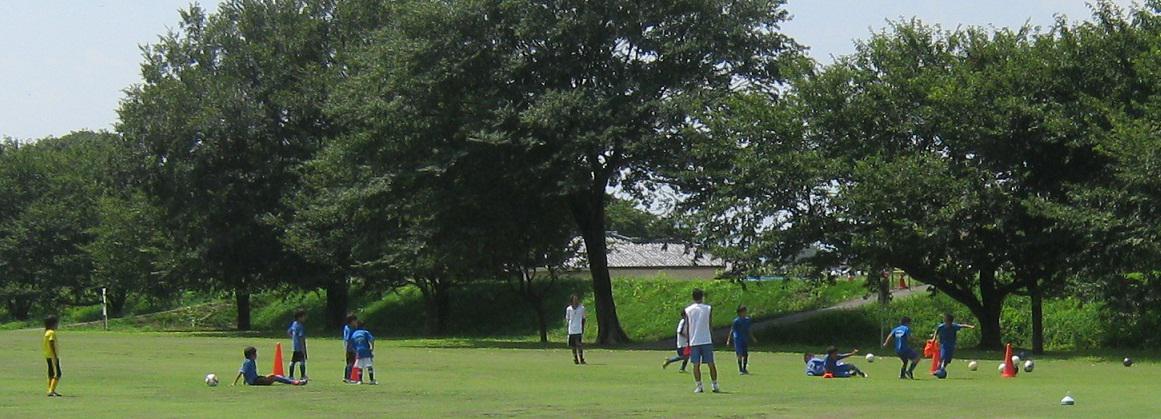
[[322, 144]]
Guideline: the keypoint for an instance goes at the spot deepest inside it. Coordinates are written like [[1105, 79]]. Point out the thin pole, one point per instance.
[[105, 308]]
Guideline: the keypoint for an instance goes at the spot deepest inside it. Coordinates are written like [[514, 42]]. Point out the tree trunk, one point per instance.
[[1037, 316], [19, 308], [117, 301], [884, 288], [337, 301], [542, 323], [436, 303], [988, 312], [590, 217], [243, 301]]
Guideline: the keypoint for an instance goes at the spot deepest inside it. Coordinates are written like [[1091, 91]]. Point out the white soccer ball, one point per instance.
[[973, 365], [211, 380], [1001, 367], [1029, 365], [1015, 360], [870, 357]]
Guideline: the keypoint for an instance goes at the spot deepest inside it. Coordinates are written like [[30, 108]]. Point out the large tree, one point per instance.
[[49, 190], [231, 104], [600, 89]]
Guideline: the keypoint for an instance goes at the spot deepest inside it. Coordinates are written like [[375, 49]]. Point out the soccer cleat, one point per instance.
[[583, 362], [374, 383], [54, 394], [576, 361], [665, 364], [716, 389], [698, 389]]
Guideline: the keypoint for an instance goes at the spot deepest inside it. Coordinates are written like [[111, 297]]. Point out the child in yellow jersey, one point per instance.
[[51, 355]]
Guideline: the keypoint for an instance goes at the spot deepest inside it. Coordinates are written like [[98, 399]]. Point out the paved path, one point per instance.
[[789, 319]]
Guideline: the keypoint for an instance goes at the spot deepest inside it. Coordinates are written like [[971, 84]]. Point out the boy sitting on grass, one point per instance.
[[249, 370]]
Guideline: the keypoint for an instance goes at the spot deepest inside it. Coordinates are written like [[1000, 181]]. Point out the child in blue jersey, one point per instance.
[[348, 345], [249, 371], [901, 334], [364, 345], [945, 334], [297, 332], [833, 364], [741, 336], [815, 366]]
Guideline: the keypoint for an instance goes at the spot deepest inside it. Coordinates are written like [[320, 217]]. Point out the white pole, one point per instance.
[[105, 308]]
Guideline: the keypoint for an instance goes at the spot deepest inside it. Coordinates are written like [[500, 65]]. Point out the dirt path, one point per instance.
[[789, 319]]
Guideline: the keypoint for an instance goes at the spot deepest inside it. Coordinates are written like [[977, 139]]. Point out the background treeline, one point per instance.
[[373, 145]]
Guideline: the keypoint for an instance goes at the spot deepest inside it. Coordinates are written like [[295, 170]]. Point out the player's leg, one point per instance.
[[695, 358], [903, 368], [51, 376], [572, 341], [946, 354], [580, 347], [302, 366], [57, 376], [293, 360], [370, 368], [350, 366], [914, 362]]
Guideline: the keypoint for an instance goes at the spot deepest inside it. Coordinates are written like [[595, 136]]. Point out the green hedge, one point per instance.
[[1069, 323]]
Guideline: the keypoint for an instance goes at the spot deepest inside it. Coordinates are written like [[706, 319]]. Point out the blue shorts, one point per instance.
[[946, 353], [907, 354], [702, 354], [741, 348]]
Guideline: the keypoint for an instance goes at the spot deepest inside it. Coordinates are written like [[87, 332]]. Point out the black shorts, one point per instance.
[[298, 356], [263, 380], [575, 340], [351, 358], [53, 368]]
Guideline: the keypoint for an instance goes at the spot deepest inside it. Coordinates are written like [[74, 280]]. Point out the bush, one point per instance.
[[1069, 323]]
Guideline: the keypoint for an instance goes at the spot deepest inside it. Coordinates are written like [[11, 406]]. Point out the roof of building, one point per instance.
[[626, 252]]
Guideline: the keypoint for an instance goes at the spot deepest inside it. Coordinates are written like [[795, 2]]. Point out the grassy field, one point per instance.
[[160, 375]]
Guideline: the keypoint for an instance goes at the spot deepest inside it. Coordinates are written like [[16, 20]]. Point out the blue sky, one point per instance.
[[65, 63]]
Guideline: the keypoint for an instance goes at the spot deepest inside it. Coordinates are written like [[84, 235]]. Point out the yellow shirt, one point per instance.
[[49, 344]]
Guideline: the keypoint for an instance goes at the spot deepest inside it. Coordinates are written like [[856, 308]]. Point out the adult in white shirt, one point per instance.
[[682, 345], [574, 316], [700, 331]]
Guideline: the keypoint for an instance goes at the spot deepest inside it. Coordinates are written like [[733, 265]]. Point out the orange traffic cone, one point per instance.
[[935, 358], [902, 281], [827, 375], [277, 370], [356, 372], [1009, 369]]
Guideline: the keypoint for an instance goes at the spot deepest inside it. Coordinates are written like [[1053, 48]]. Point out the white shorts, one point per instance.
[[365, 363]]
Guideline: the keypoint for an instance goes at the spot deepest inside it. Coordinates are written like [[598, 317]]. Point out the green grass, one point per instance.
[[159, 375]]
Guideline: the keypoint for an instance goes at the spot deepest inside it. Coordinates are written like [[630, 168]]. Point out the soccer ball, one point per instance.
[[1128, 362], [973, 365], [211, 380], [1001, 367], [870, 357], [1029, 365], [1015, 360], [941, 373]]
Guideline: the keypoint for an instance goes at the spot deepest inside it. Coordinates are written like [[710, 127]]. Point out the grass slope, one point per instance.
[[647, 308], [159, 375]]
